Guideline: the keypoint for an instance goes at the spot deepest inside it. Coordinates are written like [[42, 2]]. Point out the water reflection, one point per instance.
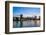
[[35, 23], [21, 23], [29, 23]]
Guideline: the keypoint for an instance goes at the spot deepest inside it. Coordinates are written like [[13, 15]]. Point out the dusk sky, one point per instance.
[[26, 11]]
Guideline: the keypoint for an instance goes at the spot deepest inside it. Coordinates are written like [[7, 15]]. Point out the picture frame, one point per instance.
[[8, 15]]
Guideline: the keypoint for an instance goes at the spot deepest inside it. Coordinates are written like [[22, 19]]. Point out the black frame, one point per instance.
[[7, 16]]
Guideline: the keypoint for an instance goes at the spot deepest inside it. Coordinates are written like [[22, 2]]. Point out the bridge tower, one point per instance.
[[21, 16]]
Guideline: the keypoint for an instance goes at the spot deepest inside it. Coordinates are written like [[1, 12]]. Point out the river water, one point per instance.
[[29, 23]]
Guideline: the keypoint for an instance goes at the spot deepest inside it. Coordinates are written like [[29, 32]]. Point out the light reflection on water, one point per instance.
[[29, 23]]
